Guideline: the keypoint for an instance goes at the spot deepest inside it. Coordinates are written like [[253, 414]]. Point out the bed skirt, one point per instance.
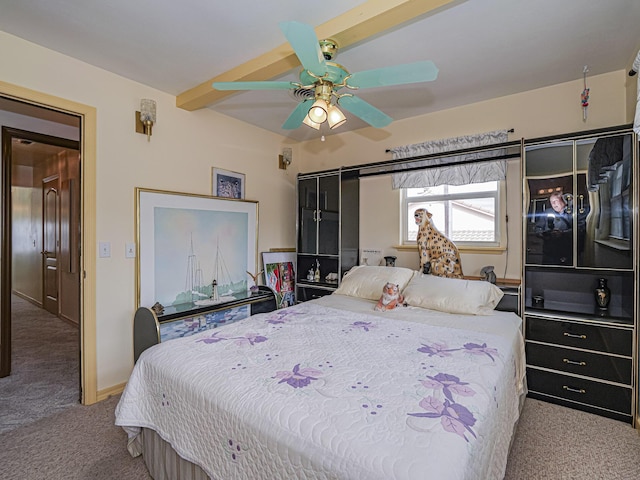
[[164, 463]]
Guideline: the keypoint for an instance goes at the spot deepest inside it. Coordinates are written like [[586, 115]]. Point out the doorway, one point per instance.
[[41, 235], [43, 104]]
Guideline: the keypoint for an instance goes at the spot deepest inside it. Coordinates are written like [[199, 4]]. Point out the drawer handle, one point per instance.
[[574, 390], [573, 362], [573, 335]]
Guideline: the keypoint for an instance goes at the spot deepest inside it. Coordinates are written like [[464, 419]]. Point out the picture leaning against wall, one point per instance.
[[280, 276]]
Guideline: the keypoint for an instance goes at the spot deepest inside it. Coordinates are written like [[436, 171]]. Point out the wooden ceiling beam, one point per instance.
[[362, 22]]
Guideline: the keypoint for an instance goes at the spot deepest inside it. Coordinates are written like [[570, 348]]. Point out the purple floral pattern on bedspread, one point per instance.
[[366, 326], [247, 339], [438, 349], [281, 316], [454, 417], [298, 377]]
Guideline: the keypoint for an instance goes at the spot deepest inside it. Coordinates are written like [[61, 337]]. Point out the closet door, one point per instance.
[[307, 215], [328, 215]]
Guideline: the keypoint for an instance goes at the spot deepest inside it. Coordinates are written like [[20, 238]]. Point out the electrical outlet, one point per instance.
[[104, 250], [130, 250], [370, 256]]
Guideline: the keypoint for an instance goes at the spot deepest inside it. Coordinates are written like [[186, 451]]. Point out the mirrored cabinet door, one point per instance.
[[580, 196], [549, 185], [606, 221]]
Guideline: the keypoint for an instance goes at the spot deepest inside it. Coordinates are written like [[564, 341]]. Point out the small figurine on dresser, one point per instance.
[[438, 255], [254, 288], [488, 274]]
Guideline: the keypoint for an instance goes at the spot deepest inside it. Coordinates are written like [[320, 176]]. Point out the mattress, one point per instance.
[[330, 389]]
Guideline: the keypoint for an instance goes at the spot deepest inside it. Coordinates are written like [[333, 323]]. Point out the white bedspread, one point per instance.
[[317, 392]]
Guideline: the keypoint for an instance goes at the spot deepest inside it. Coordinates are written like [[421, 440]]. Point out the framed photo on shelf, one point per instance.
[[227, 184], [280, 276], [186, 241]]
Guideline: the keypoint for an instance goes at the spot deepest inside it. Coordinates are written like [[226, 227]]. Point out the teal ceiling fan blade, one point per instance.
[[253, 85], [424, 71], [298, 114], [365, 111], [304, 41]]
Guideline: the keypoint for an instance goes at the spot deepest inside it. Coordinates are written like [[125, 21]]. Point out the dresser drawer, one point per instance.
[[580, 390], [605, 367], [580, 335]]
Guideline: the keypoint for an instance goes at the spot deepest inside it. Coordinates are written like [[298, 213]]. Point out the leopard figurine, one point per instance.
[[438, 255]]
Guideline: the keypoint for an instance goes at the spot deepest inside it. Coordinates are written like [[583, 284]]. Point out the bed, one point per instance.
[[332, 389]]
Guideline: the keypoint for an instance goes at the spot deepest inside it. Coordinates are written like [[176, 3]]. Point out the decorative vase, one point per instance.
[[603, 294]]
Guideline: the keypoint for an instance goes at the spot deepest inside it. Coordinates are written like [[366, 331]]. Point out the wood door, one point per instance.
[[51, 242]]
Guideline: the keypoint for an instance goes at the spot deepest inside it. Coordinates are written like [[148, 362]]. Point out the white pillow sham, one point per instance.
[[452, 295], [364, 281]]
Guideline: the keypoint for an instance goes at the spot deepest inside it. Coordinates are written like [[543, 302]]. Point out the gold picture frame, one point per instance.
[[185, 241]]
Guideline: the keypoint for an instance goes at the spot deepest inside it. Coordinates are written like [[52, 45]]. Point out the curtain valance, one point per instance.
[[432, 175]]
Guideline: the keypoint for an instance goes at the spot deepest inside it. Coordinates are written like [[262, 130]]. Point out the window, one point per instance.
[[466, 214]]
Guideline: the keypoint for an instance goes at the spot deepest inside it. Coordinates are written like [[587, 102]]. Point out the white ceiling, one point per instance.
[[483, 48]]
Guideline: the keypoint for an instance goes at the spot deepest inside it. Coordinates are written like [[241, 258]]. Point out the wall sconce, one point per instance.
[[146, 117], [284, 160]]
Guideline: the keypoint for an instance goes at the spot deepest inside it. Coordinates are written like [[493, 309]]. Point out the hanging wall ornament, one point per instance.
[[634, 70], [584, 96]]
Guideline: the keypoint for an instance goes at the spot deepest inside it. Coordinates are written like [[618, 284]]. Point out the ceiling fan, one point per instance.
[[322, 80]]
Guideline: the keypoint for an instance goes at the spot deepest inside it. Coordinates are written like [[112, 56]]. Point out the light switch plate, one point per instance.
[[104, 249], [130, 250]]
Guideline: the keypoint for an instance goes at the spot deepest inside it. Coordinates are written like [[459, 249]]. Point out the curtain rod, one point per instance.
[[511, 130], [429, 156]]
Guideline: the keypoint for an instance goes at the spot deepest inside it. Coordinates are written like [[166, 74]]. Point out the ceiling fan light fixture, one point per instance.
[[307, 121], [318, 111], [335, 117]]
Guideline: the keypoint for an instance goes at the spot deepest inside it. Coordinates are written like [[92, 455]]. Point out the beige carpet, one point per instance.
[[558, 443], [45, 377], [81, 443]]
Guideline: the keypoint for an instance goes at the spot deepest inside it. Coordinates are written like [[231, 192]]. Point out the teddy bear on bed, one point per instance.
[[390, 299]]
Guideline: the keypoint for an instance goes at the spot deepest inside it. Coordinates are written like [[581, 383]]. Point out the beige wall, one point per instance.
[[547, 111], [183, 149]]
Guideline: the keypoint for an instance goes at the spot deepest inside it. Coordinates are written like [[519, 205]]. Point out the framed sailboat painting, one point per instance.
[[193, 249]]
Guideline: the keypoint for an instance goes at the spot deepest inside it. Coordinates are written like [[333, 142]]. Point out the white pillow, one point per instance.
[[364, 281], [452, 295]]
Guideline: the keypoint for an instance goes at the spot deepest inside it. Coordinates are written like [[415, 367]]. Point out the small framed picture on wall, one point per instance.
[[227, 184]]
